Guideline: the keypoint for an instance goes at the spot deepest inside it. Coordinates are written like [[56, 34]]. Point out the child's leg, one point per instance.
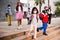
[[9, 20], [40, 28], [45, 27], [18, 22], [31, 28], [35, 31]]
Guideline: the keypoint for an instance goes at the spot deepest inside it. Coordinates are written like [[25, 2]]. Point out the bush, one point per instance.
[[57, 11], [57, 3]]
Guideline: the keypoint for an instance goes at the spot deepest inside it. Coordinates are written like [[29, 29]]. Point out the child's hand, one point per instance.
[[37, 17], [32, 16]]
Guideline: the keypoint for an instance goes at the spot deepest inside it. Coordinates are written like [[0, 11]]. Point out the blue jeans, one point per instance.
[[44, 27]]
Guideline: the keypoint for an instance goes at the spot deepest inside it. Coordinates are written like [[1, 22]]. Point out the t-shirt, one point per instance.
[[34, 20], [19, 8], [9, 11]]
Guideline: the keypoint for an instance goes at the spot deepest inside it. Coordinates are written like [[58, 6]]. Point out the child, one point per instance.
[[25, 15], [44, 16], [34, 21], [19, 14], [9, 14], [28, 16]]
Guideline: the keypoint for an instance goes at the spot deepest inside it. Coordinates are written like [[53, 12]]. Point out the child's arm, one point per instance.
[[37, 17], [32, 16], [25, 16]]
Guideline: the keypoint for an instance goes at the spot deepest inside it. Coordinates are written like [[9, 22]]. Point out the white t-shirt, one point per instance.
[[34, 20], [28, 15], [8, 10], [19, 8]]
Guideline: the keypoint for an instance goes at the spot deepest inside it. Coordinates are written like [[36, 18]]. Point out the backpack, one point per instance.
[[40, 16], [7, 12]]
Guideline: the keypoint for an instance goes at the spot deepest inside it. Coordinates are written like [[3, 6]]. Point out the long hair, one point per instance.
[[33, 10], [18, 6]]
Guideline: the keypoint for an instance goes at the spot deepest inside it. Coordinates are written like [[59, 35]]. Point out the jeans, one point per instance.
[[44, 27]]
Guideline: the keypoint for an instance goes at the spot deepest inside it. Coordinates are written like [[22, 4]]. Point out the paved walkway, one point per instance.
[[55, 22], [4, 28]]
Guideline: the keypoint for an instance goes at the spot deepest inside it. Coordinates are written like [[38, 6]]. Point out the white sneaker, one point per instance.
[[18, 27]]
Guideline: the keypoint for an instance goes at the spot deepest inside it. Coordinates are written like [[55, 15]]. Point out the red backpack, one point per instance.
[[41, 16]]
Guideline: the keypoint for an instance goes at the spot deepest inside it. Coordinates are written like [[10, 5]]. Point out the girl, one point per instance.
[[19, 14], [34, 21], [25, 15]]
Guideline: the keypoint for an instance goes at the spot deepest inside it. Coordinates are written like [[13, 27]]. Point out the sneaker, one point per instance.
[[37, 30], [19, 27], [44, 34], [9, 24]]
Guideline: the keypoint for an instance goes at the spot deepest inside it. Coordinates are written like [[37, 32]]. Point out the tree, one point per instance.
[[40, 3], [57, 3], [57, 11]]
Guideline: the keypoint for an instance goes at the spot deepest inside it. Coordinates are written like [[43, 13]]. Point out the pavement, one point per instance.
[[4, 28], [54, 22]]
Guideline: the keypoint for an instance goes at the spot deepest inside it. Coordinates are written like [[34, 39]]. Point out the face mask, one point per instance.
[[35, 12]]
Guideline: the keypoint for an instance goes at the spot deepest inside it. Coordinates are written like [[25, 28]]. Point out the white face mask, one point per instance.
[[35, 12]]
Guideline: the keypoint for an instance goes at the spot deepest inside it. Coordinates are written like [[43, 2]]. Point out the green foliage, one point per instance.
[[36, 1], [39, 1], [57, 11], [57, 3]]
